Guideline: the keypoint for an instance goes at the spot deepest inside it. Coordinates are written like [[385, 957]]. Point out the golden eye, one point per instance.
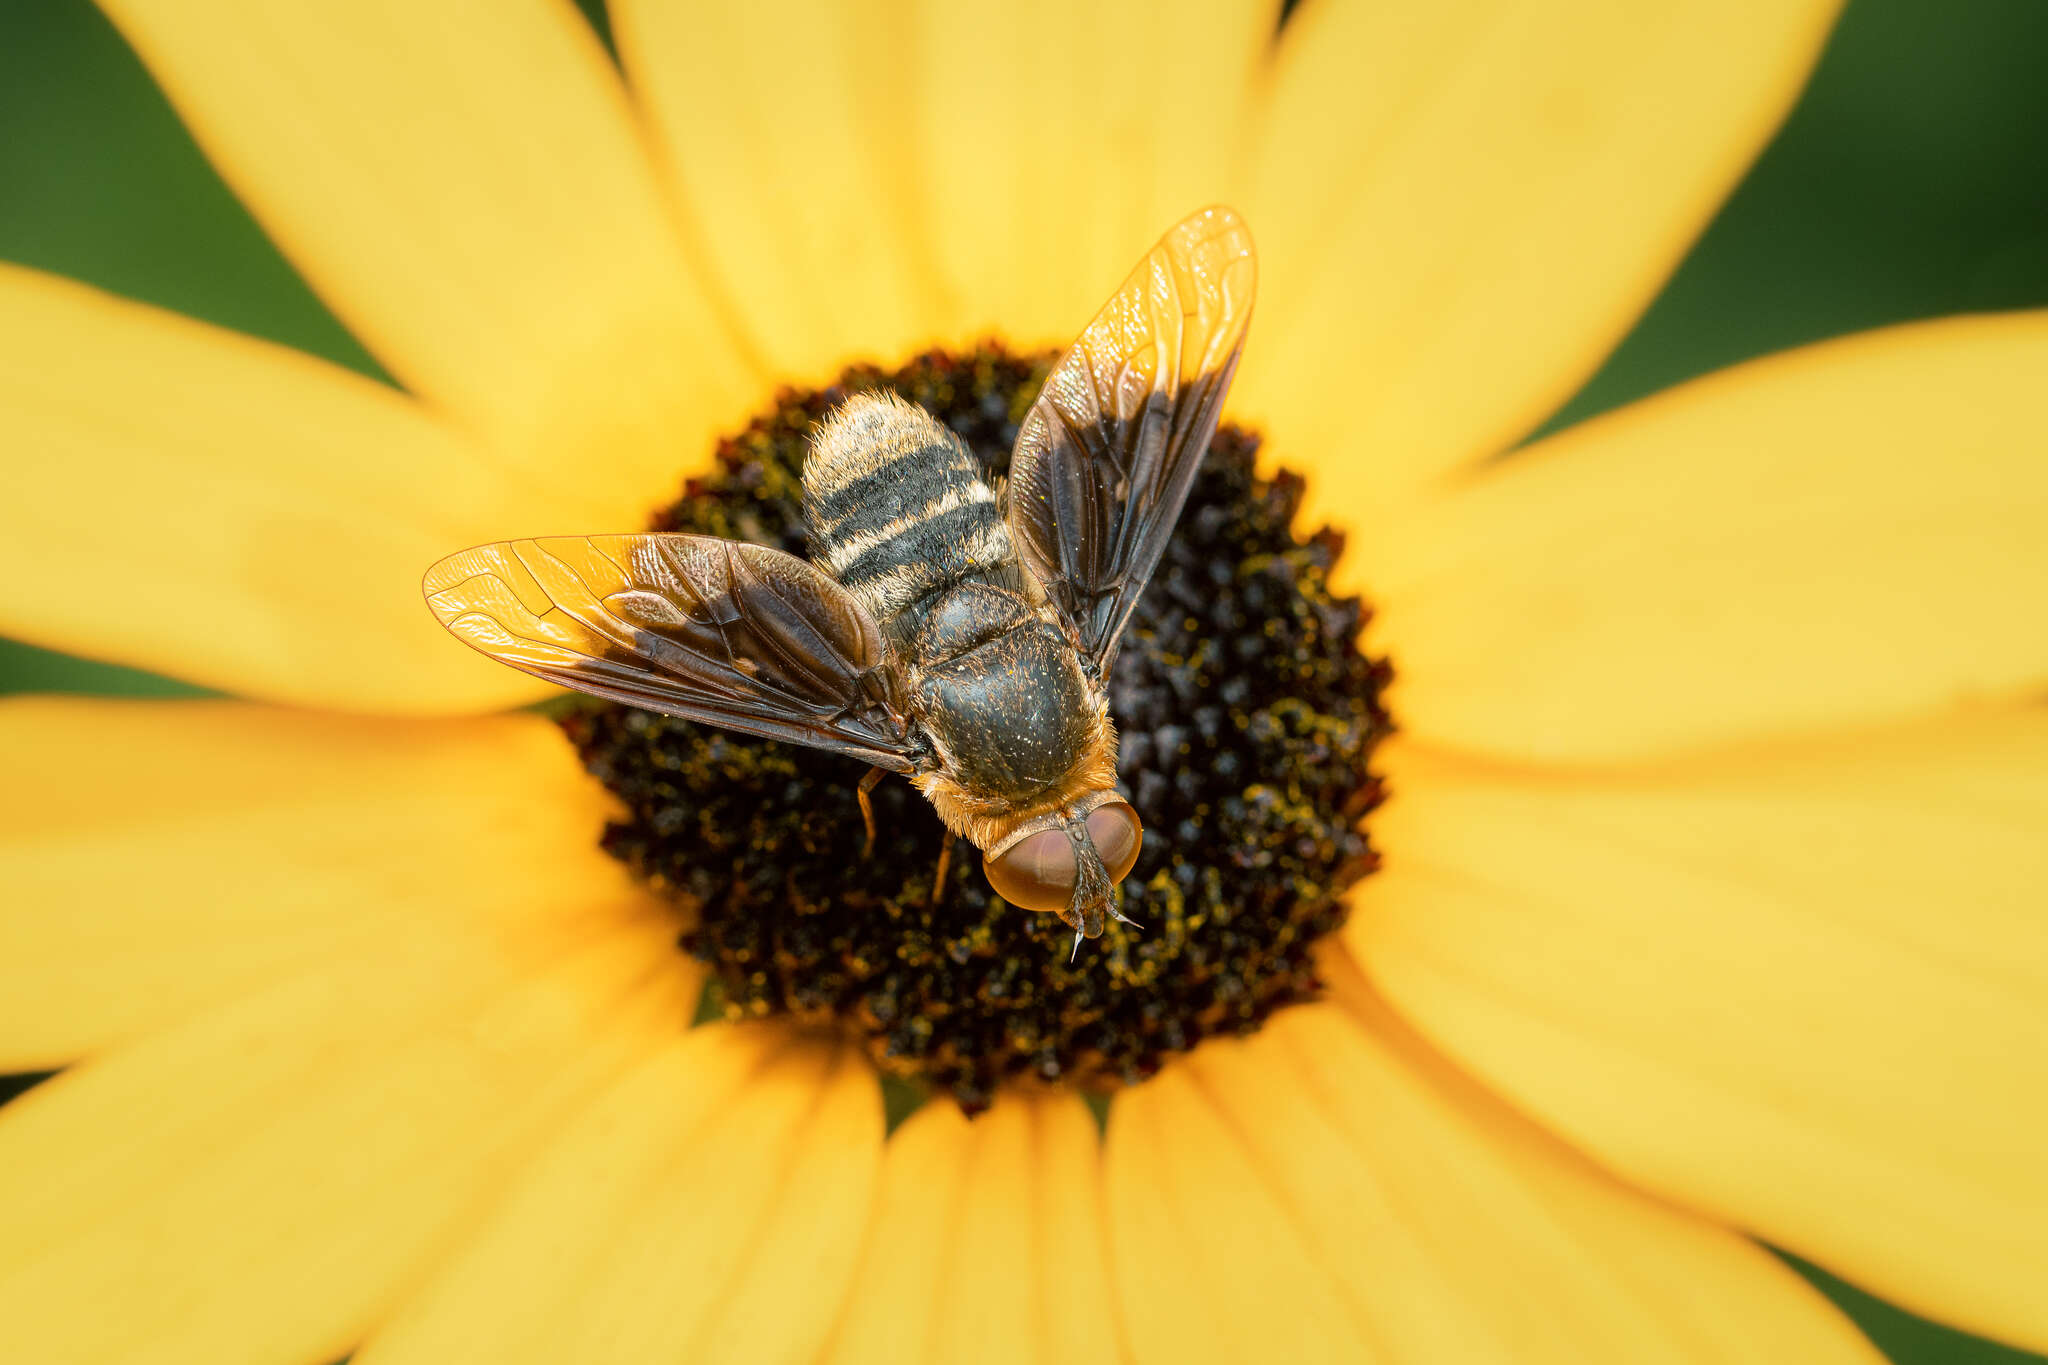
[[1118, 835], [1035, 873]]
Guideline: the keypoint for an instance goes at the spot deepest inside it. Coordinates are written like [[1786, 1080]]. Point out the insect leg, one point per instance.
[[867, 810], [945, 866]]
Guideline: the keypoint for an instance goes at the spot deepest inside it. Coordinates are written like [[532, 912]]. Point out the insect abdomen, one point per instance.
[[899, 512]]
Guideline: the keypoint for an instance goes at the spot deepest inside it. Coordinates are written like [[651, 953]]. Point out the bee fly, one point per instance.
[[946, 631]]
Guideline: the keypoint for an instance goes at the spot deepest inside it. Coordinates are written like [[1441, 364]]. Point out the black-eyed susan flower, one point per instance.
[[1709, 891]]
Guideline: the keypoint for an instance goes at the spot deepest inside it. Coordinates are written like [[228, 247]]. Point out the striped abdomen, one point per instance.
[[899, 511]]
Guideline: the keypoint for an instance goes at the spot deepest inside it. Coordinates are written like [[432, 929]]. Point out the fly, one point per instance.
[[944, 630]]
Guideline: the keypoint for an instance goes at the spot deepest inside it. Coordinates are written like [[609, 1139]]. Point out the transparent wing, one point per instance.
[[1106, 455], [734, 635]]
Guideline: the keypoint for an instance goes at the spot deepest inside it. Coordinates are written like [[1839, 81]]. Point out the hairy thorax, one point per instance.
[[999, 689]]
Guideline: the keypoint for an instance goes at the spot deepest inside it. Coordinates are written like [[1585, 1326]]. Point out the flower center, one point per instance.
[[1247, 716]]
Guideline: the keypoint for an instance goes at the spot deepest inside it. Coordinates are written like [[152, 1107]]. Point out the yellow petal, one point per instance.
[[708, 1206], [1055, 143], [1805, 990], [869, 180], [196, 502], [463, 182], [781, 126], [1324, 1193], [1461, 207], [265, 1181], [162, 856], [1843, 534], [987, 1244]]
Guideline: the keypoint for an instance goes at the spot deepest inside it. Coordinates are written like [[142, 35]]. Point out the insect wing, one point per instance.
[[735, 635], [1106, 456]]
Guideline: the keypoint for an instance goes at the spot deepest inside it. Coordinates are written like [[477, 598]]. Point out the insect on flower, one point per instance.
[[948, 631]]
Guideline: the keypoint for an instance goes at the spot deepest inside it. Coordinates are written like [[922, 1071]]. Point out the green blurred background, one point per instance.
[[1911, 181]]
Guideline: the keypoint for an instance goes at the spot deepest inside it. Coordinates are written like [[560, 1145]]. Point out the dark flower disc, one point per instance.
[[1247, 715]]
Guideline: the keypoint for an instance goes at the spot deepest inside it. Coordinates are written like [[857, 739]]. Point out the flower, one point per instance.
[[1715, 846]]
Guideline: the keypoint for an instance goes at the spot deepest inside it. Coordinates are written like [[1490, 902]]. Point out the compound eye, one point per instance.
[[1035, 873], [1118, 836]]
